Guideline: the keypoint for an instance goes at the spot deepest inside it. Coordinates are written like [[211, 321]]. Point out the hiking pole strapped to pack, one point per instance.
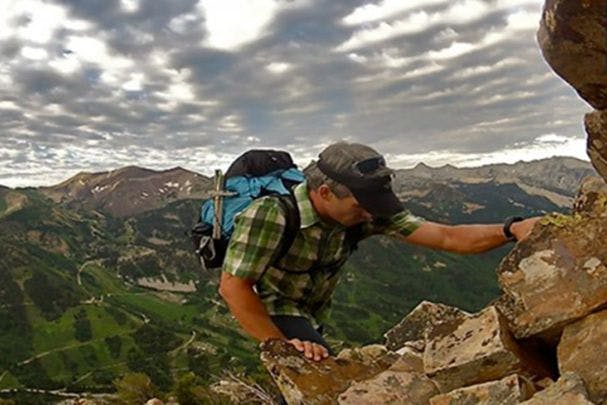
[[206, 247], [218, 195]]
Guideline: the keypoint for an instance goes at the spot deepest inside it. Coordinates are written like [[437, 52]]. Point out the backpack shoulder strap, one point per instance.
[[354, 234], [289, 205]]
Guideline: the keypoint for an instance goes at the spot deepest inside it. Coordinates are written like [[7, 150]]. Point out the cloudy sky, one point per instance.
[[98, 84]]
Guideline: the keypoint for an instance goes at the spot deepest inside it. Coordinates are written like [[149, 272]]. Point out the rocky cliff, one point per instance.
[[543, 341], [572, 37]]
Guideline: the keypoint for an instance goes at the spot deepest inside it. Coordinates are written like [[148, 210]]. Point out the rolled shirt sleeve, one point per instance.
[[258, 231], [402, 224]]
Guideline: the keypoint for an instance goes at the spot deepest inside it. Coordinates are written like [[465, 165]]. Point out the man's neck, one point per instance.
[[319, 207]]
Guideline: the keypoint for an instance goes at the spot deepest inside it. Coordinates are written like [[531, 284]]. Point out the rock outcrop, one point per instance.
[[422, 320], [568, 390], [550, 322], [583, 350], [507, 391], [559, 273], [478, 350], [572, 38]]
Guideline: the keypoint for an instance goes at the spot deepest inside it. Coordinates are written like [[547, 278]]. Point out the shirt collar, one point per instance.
[[307, 213]]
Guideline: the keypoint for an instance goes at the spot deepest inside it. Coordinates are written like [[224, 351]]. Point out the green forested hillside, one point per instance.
[[72, 315]]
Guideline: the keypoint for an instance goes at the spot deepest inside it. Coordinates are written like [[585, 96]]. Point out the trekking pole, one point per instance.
[[218, 195]]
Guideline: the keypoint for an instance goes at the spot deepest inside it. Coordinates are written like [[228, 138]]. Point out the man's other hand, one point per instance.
[[522, 229], [311, 350]]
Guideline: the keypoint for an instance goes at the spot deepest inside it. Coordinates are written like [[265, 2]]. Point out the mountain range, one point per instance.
[[97, 277]]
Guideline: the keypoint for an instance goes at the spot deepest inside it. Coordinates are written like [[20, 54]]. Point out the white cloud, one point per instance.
[[278, 67], [422, 71], [40, 170], [498, 98], [358, 58], [129, 6], [180, 23], [43, 19], [180, 88], [135, 82], [65, 64], [230, 123], [384, 9], [523, 20], [447, 34], [34, 53], [8, 105], [454, 50], [483, 69], [519, 17], [117, 71], [417, 22], [233, 23], [543, 146], [458, 13]]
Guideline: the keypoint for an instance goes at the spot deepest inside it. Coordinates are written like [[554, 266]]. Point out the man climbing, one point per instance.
[[347, 196]]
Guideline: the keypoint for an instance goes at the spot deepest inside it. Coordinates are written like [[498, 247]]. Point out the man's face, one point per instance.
[[345, 211]]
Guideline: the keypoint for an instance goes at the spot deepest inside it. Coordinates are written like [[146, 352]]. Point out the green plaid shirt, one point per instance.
[[256, 239]]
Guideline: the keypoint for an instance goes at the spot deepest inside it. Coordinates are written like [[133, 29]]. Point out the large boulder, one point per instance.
[[510, 390], [390, 387], [572, 38], [423, 319], [304, 381], [558, 274], [568, 390], [596, 128], [583, 350], [479, 349], [371, 354]]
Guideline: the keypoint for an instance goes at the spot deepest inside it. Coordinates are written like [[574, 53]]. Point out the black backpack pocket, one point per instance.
[[209, 251]]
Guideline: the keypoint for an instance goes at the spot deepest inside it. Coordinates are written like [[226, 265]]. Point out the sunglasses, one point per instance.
[[369, 166]]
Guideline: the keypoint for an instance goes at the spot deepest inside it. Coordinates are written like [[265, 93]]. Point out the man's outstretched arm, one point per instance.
[[467, 239]]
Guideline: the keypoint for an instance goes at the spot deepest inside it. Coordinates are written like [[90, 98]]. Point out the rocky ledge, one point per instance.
[[544, 341]]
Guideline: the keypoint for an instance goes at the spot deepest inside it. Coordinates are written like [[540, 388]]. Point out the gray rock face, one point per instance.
[[390, 387], [510, 390], [304, 381], [559, 273], [572, 38], [568, 390], [583, 350], [423, 319], [480, 349], [596, 128], [591, 198]]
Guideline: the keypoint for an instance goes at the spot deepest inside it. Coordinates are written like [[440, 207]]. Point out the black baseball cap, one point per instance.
[[363, 171]]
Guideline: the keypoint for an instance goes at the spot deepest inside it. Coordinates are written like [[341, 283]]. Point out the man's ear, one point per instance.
[[325, 192]]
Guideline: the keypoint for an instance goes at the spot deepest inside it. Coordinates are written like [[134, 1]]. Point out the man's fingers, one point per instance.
[[311, 350], [320, 352], [308, 349], [296, 343]]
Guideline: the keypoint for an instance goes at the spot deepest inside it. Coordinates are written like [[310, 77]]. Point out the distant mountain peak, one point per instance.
[[131, 189]]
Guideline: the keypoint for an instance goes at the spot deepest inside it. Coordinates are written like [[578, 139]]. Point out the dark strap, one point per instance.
[[353, 235], [293, 222]]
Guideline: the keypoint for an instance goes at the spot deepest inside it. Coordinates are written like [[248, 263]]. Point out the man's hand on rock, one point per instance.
[[522, 229], [311, 350]]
